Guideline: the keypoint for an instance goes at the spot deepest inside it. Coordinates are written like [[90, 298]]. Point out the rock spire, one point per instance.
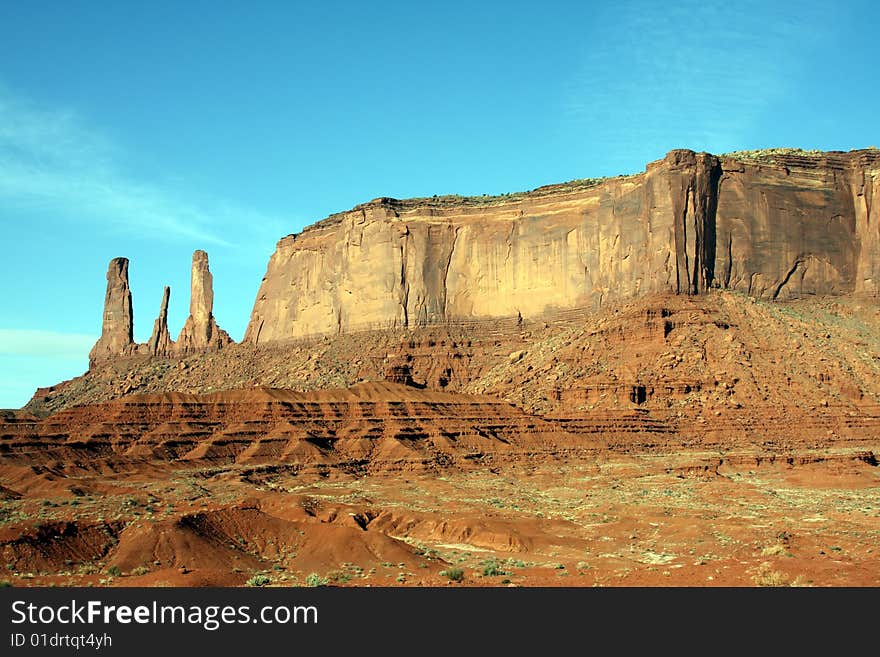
[[117, 326], [160, 343], [200, 332]]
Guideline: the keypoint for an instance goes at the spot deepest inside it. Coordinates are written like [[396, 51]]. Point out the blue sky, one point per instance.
[[148, 130]]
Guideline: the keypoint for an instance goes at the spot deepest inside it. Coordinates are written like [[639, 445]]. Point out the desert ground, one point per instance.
[[649, 445]]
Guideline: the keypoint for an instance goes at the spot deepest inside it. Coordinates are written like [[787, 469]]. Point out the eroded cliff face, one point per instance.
[[691, 222], [802, 225], [394, 263]]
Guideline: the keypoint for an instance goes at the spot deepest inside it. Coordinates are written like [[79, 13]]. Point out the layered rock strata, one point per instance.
[[380, 426], [370, 426]]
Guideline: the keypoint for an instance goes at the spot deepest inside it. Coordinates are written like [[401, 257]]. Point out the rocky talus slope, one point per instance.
[[718, 369]]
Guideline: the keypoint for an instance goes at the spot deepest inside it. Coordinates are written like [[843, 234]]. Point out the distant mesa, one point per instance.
[[200, 331]]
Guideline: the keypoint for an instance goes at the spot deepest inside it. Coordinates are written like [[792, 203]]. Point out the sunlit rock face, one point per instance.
[[773, 226], [117, 324]]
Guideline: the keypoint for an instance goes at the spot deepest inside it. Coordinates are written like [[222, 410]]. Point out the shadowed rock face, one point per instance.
[[789, 226], [200, 331], [116, 329], [799, 226]]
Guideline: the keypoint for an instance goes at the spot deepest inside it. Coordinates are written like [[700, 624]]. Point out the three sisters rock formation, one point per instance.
[[200, 331]]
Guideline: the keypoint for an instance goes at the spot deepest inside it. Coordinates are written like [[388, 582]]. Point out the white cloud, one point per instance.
[[51, 160], [45, 344]]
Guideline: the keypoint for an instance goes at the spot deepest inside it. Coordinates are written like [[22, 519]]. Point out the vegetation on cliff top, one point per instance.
[[770, 154], [767, 154], [452, 200], [487, 199]]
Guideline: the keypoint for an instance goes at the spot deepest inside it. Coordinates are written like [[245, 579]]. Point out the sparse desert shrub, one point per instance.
[[114, 571], [314, 579], [766, 576], [492, 568], [140, 570], [800, 581], [454, 574], [428, 553], [258, 580], [339, 576], [774, 550], [768, 154]]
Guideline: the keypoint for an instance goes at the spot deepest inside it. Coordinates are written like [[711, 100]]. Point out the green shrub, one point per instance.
[[454, 574], [491, 568], [114, 571], [314, 579], [258, 580], [340, 577]]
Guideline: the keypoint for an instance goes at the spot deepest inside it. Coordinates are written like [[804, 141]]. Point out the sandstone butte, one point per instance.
[[774, 225]]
